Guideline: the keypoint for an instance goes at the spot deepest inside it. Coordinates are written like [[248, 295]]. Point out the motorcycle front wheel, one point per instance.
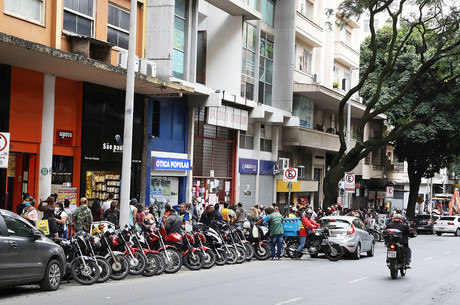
[[173, 260], [194, 261], [221, 257], [249, 250], [84, 273], [120, 267], [262, 251], [136, 269], [241, 254], [161, 263], [334, 252], [232, 255], [209, 259], [104, 268], [152, 265]]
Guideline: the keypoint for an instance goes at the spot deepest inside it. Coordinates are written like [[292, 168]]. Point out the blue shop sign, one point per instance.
[[266, 167], [248, 166], [172, 164]]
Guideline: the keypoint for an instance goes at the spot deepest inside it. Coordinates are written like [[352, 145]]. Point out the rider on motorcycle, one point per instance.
[[399, 224], [307, 225]]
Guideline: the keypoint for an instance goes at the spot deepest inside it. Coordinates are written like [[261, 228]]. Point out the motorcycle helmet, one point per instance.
[[309, 211], [398, 218], [246, 224]]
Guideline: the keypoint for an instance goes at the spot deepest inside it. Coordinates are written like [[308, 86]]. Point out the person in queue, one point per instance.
[[275, 222], [173, 223]]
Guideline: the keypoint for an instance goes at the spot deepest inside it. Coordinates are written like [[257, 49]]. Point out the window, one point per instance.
[[306, 8], [179, 39], [347, 81], [17, 228], [268, 12], [348, 37], [246, 141], [336, 74], [118, 27], [251, 3], [249, 60], [265, 145], [156, 119], [201, 58], [79, 17], [62, 169], [266, 69], [306, 61], [33, 10]]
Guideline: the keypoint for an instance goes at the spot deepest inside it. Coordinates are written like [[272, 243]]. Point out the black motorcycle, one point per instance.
[[316, 243], [395, 252]]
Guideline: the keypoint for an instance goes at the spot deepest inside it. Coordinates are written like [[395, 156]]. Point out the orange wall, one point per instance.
[[26, 106], [28, 30]]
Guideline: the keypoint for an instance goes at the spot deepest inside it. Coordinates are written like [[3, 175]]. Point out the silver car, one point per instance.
[[351, 233], [27, 256]]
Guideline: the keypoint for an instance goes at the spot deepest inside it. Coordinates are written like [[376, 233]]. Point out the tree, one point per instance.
[[436, 44]]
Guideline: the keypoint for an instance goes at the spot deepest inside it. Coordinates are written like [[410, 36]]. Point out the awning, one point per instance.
[[18, 52]]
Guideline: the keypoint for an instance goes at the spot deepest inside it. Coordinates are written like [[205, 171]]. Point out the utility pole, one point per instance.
[[128, 124]]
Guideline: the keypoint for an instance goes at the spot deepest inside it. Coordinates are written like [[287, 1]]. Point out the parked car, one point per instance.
[[351, 233], [447, 224], [424, 222], [27, 256]]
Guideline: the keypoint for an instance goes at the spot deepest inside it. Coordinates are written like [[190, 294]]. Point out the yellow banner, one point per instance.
[[283, 187], [43, 225], [67, 193]]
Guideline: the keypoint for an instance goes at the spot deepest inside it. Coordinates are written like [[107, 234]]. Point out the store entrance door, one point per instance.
[[164, 190], [21, 178]]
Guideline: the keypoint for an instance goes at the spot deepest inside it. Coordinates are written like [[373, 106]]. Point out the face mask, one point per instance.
[[27, 204], [56, 209]]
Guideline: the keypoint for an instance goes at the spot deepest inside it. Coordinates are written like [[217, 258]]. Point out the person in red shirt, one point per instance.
[[303, 233]]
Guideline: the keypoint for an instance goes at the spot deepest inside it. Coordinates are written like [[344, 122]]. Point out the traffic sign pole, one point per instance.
[[288, 205]]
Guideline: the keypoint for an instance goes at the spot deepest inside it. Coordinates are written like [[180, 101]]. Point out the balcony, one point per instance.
[[302, 77], [301, 136], [346, 55], [308, 31], [237, 8]]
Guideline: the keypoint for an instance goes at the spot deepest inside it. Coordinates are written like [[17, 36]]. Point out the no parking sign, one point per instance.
[[350, 182], [4, 149]]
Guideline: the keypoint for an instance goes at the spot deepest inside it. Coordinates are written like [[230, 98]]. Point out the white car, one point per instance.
[[447, 224]]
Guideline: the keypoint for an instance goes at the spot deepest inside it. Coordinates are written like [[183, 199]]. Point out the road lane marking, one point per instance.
[[448, 252], [428, 258], [354, 281], [289, 301]]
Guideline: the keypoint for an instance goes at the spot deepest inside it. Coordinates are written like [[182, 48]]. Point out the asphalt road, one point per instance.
[[433, 279]]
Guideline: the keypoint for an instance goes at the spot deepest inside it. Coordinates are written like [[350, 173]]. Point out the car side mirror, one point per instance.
[[37, 235]]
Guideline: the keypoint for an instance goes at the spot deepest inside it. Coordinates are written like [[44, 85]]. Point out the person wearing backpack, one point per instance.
[[113, 214]]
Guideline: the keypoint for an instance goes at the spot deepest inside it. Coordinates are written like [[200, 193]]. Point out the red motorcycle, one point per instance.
[[137, 260], [192, 257], [156, 241], [155, 261]]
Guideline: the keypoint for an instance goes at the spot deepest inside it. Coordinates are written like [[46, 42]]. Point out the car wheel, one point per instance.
[[438, 233], [52, 278], [357, 254], [457, 233], [370, 253]]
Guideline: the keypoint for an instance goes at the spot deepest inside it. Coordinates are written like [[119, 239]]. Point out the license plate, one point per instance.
[[420, 228], [391, 254]]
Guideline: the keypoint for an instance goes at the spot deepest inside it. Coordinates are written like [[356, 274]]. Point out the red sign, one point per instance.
[[64, 137], [290, 175]]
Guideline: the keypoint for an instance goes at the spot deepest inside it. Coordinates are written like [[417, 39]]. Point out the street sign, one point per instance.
[[390, 191], [4, 149], [350, 182], [290, 175]]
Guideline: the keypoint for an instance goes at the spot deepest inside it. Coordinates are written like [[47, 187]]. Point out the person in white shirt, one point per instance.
[[106, 204]]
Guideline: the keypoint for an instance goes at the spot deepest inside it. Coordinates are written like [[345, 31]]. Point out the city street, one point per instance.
[[433, 279]]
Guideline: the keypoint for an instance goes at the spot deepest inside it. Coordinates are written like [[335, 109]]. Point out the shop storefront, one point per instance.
[[102, 142], [266, 182], [214, 155], [21, 108], [248, 175]]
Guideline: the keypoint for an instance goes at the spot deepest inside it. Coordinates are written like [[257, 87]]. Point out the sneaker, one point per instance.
[[407, 266], [276, 258]]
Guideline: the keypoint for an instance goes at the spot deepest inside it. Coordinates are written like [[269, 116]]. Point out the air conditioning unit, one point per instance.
[[147, 67], [301, 172], [283, 163], [317, 78], [122, 60]]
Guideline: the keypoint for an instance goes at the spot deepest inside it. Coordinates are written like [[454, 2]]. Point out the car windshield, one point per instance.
[[447, 218], [336, 223], [422, 216]]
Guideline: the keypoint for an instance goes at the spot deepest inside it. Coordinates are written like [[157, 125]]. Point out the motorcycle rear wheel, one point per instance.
[[241, 257], [194, 261], [249, 251], [161, 263], [120, 267], [262, 251], [152, 265], [335, 253], [84, 275], [209, 259], [393, 269]]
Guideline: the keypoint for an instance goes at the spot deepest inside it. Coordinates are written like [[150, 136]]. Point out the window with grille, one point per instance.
[[79, 17], [118, 27]]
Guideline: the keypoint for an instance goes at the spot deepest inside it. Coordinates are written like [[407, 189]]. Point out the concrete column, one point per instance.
[[257, 136], [237, 173], [46, 146], [275, 142], [191, 143], [144, 181]]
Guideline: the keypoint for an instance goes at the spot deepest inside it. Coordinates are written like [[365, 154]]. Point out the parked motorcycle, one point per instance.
[[227, 236], [105, 269], [258, 238], [208, 253], [155, 238], [316, 243], [240, 238], [154, 259], [215, 242], [136, 257]]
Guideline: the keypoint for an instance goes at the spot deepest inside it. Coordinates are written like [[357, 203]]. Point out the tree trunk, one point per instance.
[[330, 186], [415, 179]]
